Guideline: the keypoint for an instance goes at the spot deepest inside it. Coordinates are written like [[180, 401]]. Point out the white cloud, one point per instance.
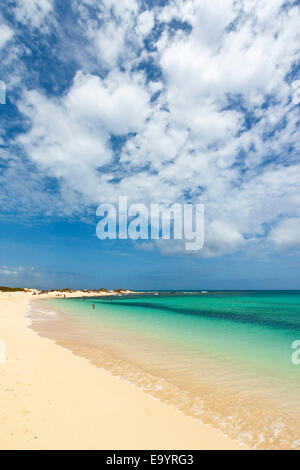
[[62, 145], [224, 129], [119, 104], [145, 23], [33, 12], [296, 92], [5, 34], [286, 234], [110, 43], [110, 29], [222, 237], [70, 137]]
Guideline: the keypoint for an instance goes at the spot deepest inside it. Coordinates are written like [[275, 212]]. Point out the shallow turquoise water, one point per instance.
[[232, 350]]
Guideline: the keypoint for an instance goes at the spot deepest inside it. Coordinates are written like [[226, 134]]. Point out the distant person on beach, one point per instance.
[[93, 306]]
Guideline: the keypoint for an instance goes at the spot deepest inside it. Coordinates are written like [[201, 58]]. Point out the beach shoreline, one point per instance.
[[52, 399]]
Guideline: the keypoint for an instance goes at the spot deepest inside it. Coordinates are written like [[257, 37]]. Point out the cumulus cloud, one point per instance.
[[191, 101], [119, 104], [145, 23], [296, 92], [5, 34], [110, 43], [286, 234], [33, 12], [70, 137], [110, 29]]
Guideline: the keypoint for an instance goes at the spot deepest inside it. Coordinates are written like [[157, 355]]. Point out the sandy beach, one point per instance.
[[51, 399]]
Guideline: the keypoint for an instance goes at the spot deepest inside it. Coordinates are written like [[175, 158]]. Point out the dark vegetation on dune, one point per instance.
[[66, 290], [11, 289]]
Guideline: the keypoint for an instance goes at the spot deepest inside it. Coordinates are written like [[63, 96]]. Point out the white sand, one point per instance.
[[51, 399]]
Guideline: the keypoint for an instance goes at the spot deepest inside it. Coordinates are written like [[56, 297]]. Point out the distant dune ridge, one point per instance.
[[66, 292]]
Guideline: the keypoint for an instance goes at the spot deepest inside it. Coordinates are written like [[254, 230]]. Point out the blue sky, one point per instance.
[[163, 102]]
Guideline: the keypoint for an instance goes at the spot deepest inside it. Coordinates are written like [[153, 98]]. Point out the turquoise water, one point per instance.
[[223, 357]]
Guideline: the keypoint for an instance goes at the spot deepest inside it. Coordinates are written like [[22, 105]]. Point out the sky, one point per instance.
[[187, 101]]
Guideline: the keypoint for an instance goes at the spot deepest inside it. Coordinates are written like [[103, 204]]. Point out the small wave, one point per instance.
[[49, 313], [235, 413]]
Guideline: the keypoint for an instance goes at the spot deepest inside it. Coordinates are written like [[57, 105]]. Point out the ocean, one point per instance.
[[223, 357]]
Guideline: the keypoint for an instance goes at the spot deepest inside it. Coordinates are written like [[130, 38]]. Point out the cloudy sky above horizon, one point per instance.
[[180, 101]]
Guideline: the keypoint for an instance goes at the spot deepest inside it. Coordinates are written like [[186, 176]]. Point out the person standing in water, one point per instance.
[[93, 306]]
